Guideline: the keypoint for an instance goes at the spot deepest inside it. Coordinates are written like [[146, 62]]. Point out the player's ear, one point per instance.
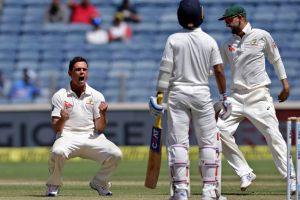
[[69, 72]]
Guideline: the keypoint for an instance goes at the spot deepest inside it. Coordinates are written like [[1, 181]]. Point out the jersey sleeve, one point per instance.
[[165, 68], [168, 52], [57, 105], [271, 51]]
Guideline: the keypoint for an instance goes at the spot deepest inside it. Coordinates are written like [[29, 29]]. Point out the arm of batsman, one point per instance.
[[155, 109], [224, 109]]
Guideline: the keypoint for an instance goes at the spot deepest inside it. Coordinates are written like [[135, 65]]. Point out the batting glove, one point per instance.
[[227, 107], [154, 108]]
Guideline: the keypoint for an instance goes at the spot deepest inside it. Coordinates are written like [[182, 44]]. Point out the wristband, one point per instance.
[[223, 96]]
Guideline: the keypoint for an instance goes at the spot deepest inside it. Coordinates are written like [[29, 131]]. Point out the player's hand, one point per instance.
[[64, 114], [284, 94], [154, 108], [103, 107], [227, 107]]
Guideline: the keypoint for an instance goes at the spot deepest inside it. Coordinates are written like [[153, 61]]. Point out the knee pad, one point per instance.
[[208, 164], [179, 166]]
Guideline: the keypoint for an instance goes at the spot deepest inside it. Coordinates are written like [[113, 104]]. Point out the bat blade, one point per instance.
[[154, 159]]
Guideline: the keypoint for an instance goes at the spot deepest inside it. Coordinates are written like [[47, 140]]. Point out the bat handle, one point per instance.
[[159, 101], [159, 98]]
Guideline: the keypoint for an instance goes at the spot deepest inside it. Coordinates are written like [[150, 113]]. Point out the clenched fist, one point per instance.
[[103, 107], [64, 114], [284, 94]]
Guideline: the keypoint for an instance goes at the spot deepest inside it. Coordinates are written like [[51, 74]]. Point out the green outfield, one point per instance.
[[26, 180]]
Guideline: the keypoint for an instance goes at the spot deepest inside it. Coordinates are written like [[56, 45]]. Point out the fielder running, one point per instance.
[[79, 119], [245, 52], [184, 70]]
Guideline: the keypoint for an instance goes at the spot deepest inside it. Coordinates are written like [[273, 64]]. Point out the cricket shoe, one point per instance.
[[52, 191], [247, 180], [102, 190], [179, 195], [210, 193]]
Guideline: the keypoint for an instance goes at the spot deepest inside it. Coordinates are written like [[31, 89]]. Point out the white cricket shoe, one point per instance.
[[52, 191], [102, 190], [179, 195], [210, 193], [247, 180]]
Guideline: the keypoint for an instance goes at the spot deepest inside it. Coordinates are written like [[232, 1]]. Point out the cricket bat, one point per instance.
[[154, 159]]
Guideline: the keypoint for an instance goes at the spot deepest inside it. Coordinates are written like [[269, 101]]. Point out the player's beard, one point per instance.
[[235, 27]]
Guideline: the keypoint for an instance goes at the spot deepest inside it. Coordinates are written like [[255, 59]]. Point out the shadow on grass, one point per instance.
[[246, 194], [36, 195], [252, 193]]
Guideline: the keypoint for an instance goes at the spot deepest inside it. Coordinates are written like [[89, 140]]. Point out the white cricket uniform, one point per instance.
[[250, 96], [191, 53], [79, 137]]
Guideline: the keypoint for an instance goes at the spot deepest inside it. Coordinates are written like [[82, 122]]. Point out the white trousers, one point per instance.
[[257, 106], [88, 146], [191, 104], [186, 105]]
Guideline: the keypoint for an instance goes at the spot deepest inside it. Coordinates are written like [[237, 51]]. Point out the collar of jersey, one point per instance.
[[87, 91], [198, 29], [247, 29]]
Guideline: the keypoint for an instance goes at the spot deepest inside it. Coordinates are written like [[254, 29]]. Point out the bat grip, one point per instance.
[[159, 98], [159, 101]]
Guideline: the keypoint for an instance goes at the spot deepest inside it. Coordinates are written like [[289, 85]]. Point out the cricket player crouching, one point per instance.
[[79, 120], [184, 70]]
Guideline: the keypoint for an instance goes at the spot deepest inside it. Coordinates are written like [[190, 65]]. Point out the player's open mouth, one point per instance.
[[81, 78]]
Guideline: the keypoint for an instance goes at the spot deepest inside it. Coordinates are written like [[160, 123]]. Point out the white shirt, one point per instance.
[[82, 110], [120, 31], [192, 54], [97, 37], [246, 57]]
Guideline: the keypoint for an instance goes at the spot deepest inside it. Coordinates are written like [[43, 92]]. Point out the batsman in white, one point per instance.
[[185, 67], [79, 120], [245, 52]]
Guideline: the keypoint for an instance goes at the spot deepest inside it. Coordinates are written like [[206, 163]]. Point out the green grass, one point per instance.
[[27, 181]]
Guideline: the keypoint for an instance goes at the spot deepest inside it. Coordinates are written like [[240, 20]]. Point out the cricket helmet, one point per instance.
[[190, 14]]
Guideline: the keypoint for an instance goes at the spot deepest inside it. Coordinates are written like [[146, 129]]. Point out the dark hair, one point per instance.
[[75, 60]]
